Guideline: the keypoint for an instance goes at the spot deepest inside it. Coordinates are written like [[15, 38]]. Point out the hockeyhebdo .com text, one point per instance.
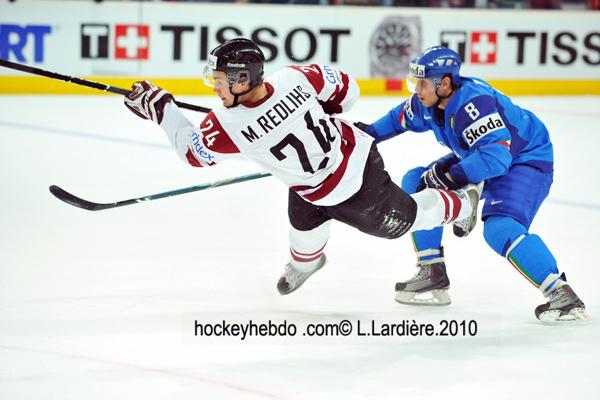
[[244, 330]]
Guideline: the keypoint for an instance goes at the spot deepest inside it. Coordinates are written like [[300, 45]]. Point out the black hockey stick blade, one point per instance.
[[73, 200]]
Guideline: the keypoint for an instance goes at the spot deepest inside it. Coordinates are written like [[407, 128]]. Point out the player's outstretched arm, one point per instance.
[[147, 101], [407, 116], [151, 102]]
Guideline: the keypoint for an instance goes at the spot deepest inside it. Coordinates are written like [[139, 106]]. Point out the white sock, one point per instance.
[[439, 207], [306, 247]]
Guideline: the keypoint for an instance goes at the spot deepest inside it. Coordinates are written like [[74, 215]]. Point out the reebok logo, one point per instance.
[[236, 65], [482, 127]]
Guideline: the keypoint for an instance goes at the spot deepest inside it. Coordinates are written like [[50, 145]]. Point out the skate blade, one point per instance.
[[438, 297], [460, 232], [284, 291], [575, 316]]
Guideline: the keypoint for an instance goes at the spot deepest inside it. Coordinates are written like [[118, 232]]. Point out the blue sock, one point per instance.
[[526, 252], [530, 256], [427, 240]]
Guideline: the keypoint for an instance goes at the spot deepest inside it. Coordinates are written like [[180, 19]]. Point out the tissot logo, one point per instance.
[[482, 127], [131, 42], [298, 44], [524, 47]]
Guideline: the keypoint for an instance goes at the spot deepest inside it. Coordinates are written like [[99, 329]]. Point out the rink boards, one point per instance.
[[169, 43]]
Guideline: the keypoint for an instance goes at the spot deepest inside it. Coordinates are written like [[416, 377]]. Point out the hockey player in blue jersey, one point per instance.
[[492, 141]]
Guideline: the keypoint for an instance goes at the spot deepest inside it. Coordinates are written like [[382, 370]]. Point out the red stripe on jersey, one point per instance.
[[446, 206], [331, 182], [314, 75], [338, 97], [401, 116], [507, 144], [191, 159], [335, 93], [215, 137]]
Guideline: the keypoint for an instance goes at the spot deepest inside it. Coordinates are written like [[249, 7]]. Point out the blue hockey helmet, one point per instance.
[[435, 63]]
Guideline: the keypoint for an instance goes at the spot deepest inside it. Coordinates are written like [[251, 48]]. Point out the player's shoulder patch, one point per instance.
[[472, 109], [214, 136], [330, 75], [314, 74], [483, 127], [477, 117]]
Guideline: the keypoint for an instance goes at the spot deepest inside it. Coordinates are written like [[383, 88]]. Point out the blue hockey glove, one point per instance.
[[365, 128]]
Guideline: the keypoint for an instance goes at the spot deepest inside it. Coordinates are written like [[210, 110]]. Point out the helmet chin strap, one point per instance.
[[236, 96], [440, 97]]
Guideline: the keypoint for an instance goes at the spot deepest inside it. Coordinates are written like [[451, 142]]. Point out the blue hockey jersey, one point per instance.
[[483, 128]]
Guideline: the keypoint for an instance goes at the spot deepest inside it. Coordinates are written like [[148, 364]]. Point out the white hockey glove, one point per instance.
[[147, 100]]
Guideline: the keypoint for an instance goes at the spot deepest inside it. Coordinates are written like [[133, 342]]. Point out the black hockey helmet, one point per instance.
[[240, 59]]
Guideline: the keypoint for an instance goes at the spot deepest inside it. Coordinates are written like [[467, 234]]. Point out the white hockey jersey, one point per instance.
[[287, 132]]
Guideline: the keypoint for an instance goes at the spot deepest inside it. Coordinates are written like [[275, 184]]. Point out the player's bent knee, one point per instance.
[[499, 232], [411, 179]]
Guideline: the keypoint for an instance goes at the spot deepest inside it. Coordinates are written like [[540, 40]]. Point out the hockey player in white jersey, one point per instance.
[[286, 123]]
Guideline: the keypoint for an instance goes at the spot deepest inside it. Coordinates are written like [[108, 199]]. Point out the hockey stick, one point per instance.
[[73, 200], [84, 82]]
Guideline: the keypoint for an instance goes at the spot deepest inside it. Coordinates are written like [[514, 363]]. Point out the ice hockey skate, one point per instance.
[[463, 227], [563, 306], [292, 279], [429, 287]]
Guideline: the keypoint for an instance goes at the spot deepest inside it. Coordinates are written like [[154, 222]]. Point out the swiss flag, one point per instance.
[[132, 42], [483, 47]]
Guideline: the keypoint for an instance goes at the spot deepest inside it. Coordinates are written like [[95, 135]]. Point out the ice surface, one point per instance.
[[103, 305]]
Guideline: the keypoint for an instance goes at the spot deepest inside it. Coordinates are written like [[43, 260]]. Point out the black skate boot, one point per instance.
[[463, 227], [563, 306], [292, 279], [428, 287]]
